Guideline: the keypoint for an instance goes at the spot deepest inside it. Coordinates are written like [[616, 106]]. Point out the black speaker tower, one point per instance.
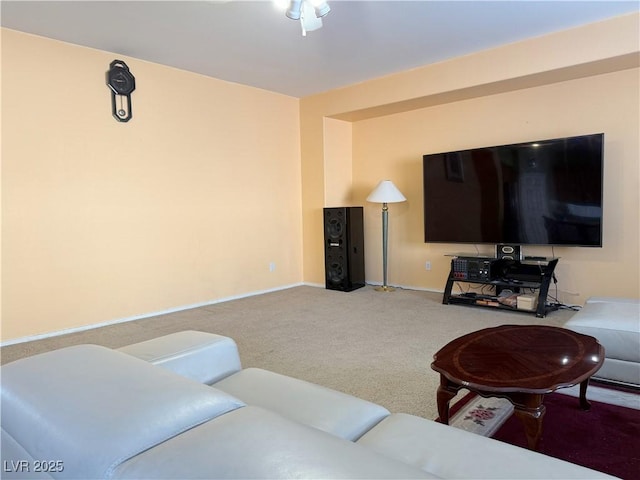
[[344, 248]]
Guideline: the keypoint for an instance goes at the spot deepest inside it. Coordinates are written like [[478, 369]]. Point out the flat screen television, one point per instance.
[[546, 192]]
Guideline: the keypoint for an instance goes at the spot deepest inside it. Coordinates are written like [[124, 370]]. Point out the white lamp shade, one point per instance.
[[386, 192]]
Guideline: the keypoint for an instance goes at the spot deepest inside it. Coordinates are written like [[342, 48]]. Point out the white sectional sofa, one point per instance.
[[615, 322], [181, 406]]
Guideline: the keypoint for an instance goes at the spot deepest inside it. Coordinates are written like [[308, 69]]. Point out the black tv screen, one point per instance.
[[546, 192]]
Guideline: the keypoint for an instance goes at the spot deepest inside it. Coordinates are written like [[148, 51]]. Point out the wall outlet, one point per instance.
[[272, 266], [427, 265]]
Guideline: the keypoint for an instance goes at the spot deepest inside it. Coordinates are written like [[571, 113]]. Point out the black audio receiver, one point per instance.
[[473, 268]]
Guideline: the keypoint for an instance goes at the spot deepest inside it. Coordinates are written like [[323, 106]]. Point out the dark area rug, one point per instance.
[[605, 438]]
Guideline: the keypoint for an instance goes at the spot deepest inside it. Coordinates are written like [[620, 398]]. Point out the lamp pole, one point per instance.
[[385, 239]]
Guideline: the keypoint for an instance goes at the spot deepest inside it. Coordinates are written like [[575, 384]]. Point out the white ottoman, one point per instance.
[[615, 322]]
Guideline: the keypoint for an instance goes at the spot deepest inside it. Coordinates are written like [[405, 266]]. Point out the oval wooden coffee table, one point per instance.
[[521, 363]]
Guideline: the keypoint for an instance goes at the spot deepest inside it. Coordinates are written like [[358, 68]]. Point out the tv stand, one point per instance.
[[502, 281]]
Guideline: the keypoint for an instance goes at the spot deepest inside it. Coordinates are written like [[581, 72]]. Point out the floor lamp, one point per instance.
[[386, 192]]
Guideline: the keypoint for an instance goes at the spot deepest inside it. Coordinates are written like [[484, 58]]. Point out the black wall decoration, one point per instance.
[[121, 82]]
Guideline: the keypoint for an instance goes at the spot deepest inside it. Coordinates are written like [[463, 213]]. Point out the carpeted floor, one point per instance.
[[376, 346]]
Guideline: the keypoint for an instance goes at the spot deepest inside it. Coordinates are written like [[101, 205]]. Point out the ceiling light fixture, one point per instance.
[[309, 12]]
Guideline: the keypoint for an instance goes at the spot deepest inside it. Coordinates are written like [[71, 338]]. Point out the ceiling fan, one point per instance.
[[309, 12]]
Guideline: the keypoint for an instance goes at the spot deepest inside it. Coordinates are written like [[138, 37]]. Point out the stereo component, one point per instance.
[[508, 252], [471, 268]]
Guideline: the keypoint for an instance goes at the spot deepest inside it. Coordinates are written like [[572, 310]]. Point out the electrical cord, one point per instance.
[[557, 304]]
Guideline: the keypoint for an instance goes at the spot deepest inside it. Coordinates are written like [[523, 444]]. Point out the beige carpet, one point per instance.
[[377, 346]]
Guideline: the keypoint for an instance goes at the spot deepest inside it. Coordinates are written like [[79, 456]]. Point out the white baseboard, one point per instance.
[[145, 315]]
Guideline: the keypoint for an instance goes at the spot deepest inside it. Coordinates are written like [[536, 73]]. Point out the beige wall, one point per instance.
[[189, 202], [203, 190], [579, 81], [392, 147], [338, 150]]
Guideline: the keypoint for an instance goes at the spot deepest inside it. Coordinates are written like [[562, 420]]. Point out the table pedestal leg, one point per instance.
[[532, 421], [531, 412], [446, 391]]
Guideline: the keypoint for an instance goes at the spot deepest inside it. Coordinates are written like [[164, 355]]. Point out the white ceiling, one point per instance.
[[253, 43]]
